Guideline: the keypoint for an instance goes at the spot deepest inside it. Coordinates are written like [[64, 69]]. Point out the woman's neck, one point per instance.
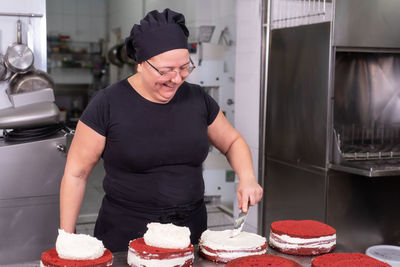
[[137, 85]]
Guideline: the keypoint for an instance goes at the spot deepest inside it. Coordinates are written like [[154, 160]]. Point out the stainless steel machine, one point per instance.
[[30, 177], [332, 137]]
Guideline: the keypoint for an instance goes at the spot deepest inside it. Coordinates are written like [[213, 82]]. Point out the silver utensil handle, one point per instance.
[[19, 32]]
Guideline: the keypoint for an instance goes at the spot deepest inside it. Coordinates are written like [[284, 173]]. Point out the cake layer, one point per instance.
[[305, 237], [139, 248], [302, 246], [226, 255], [140, 254], [223, 240], [220, 246], [302, 229], [347, 260], [51, 258], [262, 260], [135, 261]]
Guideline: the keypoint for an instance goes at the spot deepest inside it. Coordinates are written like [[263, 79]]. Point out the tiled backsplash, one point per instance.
[[82, 20]]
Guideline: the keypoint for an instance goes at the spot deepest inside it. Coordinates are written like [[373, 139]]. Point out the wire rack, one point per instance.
[[292, 13]]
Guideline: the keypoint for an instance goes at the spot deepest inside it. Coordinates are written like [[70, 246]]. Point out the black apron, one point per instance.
[[119, 221]]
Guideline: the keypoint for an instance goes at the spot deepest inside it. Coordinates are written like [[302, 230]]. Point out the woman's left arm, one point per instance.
[[229, 141]]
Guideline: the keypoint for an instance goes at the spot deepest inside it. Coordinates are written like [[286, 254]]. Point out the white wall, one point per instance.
[[247, 85]]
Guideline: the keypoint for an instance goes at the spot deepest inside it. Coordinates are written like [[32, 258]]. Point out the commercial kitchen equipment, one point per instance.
[[331, 137], [30, 178], [210, 75], [32, 155]]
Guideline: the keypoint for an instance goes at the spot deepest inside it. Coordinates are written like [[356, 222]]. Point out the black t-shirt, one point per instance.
[[154, 152]]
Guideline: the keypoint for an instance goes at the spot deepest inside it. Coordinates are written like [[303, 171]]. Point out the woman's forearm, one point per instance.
[[72, 192], [232, 144], [249, 192], [84, 153]]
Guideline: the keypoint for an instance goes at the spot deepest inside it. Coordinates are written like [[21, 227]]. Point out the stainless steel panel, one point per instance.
[[31, 168], [37, 114], [367, 23], [365, 212], [367, 89], [28, 226], [371, 168], [366, 113], [297, 98], [294, 193]]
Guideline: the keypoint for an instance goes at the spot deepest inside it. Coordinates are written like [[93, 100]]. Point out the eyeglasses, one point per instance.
[[183, 71]]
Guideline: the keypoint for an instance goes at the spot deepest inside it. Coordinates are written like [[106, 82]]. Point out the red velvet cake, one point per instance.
[[220, 246], [262, 260], [347, 260], [306, 237], [50, 258], [140, 254]]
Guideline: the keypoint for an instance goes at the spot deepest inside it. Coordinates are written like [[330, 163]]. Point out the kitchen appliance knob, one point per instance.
[[61, 147]]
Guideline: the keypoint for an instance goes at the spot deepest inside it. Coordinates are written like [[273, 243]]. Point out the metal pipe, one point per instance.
[[266, 31], [31, 15]]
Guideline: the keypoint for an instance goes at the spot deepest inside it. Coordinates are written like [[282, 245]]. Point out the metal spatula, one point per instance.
[[238, 223]]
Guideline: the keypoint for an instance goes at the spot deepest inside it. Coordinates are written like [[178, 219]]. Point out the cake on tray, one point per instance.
[[76, 250], [347, 260], [306, 237], [163, 245], [262, 260], [50, 258], [220, 246]]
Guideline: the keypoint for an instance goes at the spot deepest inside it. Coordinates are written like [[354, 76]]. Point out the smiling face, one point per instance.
[[162, 88]]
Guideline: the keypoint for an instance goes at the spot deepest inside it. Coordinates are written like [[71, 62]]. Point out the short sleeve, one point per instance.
[[212, 108], [97, 113]]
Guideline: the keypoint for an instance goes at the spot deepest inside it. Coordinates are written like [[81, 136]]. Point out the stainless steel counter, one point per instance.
[[120, 259]]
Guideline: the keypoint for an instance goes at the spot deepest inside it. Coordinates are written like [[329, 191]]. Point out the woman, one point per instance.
[[153, 132]]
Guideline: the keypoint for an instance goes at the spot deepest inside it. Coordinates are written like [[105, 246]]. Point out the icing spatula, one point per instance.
[[238, 223]]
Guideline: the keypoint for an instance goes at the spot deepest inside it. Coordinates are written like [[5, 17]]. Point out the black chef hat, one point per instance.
[[157, 33]]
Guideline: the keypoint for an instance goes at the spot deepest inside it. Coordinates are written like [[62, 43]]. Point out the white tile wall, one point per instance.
[[70, 7], [123, 14], [82, 20]]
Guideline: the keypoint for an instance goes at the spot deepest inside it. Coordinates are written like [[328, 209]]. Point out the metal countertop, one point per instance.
[[305, 261], [120, 259]]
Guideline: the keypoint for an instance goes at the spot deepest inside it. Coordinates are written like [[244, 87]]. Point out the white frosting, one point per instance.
[[78, 246], [288, 242], [223, 240], [135, 260], [167, 236]]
